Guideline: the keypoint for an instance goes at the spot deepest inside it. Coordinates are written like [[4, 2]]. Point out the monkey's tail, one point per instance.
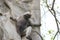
[[38, 34]]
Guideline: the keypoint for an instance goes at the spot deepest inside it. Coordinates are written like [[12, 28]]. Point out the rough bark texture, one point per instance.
[[35, 11], [15, 9]]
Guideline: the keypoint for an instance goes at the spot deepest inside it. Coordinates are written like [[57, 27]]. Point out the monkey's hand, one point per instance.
[[35, 25]]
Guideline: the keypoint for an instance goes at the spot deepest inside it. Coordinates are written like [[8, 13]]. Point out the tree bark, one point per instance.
[[36, 19], [18, 8]]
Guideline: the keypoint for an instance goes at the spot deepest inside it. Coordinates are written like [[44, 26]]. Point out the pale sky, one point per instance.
[[48, 21]]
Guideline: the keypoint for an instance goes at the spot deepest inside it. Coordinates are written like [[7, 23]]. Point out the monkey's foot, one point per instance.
[[29, 38]]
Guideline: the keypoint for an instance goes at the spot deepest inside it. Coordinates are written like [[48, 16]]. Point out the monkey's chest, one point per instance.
[[23, 27]]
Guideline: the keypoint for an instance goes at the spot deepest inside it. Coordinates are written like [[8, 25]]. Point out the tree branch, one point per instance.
[[39, 35], [53, 12], [53, 5]]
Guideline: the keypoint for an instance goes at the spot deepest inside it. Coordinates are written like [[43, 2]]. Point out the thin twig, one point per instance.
[[55, 35], [39, 35], [52, 9]]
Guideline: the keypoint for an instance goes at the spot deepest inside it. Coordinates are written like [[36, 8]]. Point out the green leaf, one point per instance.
[[49, 31]]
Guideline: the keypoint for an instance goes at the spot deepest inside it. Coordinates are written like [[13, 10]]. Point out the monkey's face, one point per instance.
[[27, 16]]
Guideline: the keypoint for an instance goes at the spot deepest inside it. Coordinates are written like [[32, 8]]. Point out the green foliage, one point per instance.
[[52, 38], [50, 31]]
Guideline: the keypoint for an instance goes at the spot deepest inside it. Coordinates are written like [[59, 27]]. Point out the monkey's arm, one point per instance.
[[31, 24], [35, 25]]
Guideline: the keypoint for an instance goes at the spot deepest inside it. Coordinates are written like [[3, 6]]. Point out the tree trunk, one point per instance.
[[35, 11], [18, 8]]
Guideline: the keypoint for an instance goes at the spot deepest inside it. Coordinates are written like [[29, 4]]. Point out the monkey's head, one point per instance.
[[27, 16]]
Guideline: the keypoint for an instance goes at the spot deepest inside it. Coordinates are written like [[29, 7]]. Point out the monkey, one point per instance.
[[22, 24]]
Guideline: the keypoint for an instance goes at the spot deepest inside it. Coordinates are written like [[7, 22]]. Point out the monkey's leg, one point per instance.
[[28, 32]]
